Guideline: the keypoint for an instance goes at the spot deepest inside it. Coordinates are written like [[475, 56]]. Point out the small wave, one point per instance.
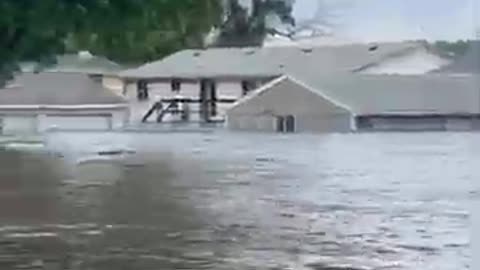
[[79, 226], [15, 228], [264, 159], [456, 245], [385, 251], [321, 266], [131, 227], [92, 232], [31, 235], [425, 249]]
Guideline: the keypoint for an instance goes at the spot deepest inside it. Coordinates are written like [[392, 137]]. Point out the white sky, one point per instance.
[[397, 19]]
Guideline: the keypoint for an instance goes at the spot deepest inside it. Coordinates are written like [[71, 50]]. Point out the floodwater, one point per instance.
[[240, 201]]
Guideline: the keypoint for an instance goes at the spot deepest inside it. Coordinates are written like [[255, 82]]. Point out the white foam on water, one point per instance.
[[86, 147], [31, 235]]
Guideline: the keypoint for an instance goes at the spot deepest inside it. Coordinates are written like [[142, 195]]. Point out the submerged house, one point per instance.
[[98, 68], [206, 83], [359, 102], [33, 103]]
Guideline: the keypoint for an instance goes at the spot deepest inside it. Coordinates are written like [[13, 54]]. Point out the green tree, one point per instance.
[[123, 30], [156, 28], [139, 31], [452, 49], [249, 25], [32, 30], [129, 30]]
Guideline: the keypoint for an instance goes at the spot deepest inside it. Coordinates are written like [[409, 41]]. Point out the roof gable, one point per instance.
[[286, 89]]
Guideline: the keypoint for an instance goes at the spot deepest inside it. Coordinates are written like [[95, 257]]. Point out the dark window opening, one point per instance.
[[203, 99], [247, 86], [142, 90], [175, 85], [290, 124], [364, 123], [213, 99], [280, 124], [285, 124], [95, 77]]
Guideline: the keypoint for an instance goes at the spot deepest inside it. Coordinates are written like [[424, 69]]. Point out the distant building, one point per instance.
[[34, 103], [96, 67], [212, 80], [348, 102]]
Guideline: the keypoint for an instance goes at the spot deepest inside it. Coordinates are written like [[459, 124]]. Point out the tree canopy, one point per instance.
[[249, 25], [128, 30], [453, 49], [138, 31]]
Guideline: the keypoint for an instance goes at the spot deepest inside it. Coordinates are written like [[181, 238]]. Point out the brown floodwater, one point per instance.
[[240, 201]]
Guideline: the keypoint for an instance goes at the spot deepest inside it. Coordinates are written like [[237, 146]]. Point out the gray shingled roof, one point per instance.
[[399, 94], [56, 89], [266, 61], [75, 63], [469, 63]]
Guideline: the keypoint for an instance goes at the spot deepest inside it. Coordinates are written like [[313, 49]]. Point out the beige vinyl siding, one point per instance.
[[113, 84], [265, 123], [311, 111], [324, 122]]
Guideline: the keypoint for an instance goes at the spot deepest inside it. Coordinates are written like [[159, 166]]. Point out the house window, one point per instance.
[[247, 86], [95, 77], [364, 122], [280, 124], [285, 124], [142, 90], [176, 85], [290, 123]]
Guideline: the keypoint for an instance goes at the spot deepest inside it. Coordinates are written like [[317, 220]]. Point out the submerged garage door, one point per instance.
[[65, 122], [24, 124]]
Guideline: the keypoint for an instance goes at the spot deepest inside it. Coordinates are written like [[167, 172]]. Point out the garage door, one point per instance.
[[19, 125], [76, 122]]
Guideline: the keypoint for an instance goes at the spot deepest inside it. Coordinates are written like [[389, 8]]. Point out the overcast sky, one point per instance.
[[397, 19]]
